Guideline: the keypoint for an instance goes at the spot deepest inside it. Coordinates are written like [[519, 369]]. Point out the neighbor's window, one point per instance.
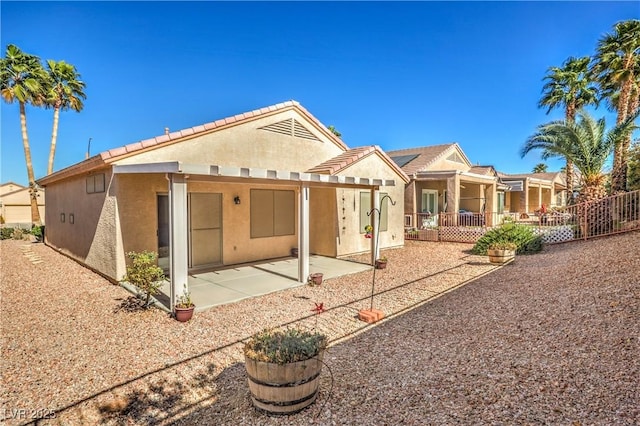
[[273, 213], [95, 183], [500, 202], [365, 207]]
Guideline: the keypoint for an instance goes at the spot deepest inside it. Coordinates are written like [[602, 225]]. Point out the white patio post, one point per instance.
[[178, 241], [303, 233], [375, 222], [540, 202]]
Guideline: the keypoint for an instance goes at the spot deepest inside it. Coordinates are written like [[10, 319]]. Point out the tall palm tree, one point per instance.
[[617, 65], [21, 79], [570, 86], [64, 91], [586, 143], [540, 168]]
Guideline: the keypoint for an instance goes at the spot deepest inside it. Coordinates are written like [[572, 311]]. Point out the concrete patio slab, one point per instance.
[[222, 286]]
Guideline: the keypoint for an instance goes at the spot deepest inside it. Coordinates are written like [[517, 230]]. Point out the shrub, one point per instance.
[[6, 233], [144, 273], [18, 234], [37, 231], [521, 235], [282, 347]]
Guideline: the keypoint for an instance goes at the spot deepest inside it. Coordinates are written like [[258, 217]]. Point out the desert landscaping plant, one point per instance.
[[144, 273], [283, 369], [520, 235]]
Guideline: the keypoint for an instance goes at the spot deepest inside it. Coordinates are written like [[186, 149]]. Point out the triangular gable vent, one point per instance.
[[455, 157], [291, 127]]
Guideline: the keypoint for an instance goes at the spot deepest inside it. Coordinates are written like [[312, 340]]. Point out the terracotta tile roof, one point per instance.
[[347, 158], [342, 161], [112, 154], [104, 158], [426, 155], [483, 170], [542, 176]]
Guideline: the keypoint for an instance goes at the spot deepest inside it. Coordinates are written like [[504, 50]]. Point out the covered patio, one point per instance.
[[227, 285], [214, 287]]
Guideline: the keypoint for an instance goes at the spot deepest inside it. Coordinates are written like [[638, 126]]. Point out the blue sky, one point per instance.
[[398, 75]]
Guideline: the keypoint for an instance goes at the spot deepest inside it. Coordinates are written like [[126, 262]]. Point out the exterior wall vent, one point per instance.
[[291, 127]]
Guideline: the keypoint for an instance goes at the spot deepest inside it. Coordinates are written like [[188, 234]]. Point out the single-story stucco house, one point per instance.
[[15, 205], [446, 189], [240, 189], [529, 191]]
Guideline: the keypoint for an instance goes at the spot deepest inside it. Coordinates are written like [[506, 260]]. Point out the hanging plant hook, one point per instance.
[[377, 239]]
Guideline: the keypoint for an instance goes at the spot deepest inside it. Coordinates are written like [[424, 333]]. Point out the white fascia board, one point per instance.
[[250, 173], [165, 167], [478, 176]]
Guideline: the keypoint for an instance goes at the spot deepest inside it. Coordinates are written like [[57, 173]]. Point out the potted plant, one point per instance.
[[315, 278], [144, 273], [283, 369], [501, 252], [381, 263], [184, 306]]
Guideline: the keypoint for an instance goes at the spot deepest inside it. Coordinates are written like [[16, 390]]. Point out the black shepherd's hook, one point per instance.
[[376, 247]]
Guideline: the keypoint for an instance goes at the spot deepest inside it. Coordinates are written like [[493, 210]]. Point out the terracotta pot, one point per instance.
[[500, 257], [316, 278], [284, 388], [184, 314], [381, 264]]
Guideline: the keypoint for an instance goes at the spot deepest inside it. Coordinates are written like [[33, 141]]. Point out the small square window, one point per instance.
[[95, 183]]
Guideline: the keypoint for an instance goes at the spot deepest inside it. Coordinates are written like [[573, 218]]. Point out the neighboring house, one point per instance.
[[245, 188], [15, 205], [529, 191], [446, 189]]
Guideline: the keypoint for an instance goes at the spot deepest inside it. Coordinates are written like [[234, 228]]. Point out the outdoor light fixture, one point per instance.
[[236, 199], [61, 217], [71, 218]]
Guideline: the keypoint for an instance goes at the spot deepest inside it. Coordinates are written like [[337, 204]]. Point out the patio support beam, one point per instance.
[[303, 233], [178, 241]]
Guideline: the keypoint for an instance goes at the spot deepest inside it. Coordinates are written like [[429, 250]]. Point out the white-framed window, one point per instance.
[[429, 201]]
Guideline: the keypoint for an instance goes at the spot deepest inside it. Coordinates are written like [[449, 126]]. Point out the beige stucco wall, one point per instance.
[[138, 215], [248, 146], [16, 205], [444, 164], [94, 236], [439, 185], [351, 240]]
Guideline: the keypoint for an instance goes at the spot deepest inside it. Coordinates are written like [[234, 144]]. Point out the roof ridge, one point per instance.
[[420, 147]]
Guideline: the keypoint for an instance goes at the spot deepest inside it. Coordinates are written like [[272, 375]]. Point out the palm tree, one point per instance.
[[540, 168], [617, 65], [570, 86], [21, 79], [586, 143], [335, 131], [64, 91]]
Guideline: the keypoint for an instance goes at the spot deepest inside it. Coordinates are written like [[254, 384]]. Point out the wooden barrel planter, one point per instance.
[[500, 257], [284, 388]]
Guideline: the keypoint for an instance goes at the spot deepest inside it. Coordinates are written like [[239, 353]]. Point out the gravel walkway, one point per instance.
[[549, 339]]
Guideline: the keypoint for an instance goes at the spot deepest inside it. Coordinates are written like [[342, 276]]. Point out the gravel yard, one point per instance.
[[552, 338]]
